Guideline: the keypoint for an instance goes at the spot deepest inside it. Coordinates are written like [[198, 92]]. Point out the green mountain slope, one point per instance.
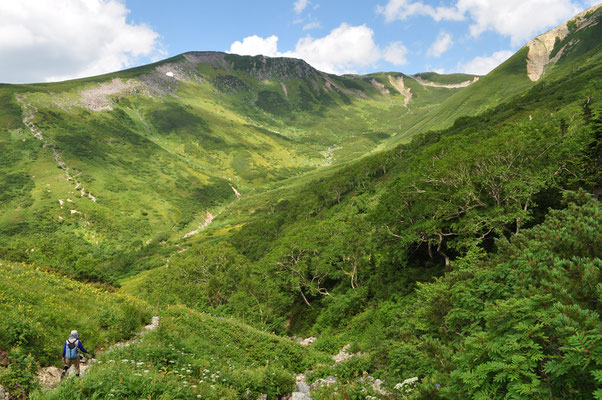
[[545, 53], [324, 246], [103, 170], [434, 227]]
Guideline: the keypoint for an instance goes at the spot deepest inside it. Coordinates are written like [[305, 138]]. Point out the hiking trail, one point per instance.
[[29, 113], [50, 377]]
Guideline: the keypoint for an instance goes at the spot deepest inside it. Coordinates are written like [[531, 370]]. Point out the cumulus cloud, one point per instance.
[[46, 40], [255, 45], [300, 5], [519, 20], [345, 49], [440, 45], [483, 65], [396, 53]]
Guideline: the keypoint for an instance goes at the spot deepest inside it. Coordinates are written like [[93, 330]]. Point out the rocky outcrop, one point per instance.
[[98, 98], [49, 377], [541, 48], [380, 87], [344, 354], [305, 342]]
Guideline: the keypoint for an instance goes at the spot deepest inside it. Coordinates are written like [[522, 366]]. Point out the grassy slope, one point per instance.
[[308, 197], [445, 79], [195, 355], [157, 164], [507, 80], [38, 309]]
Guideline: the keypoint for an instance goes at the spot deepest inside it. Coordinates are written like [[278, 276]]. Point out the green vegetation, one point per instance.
[[521, 323], [193, 354], [445, 238], [38, 309], [447, 79]]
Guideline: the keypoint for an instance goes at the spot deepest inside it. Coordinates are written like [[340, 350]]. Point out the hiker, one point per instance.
[[70, 355]]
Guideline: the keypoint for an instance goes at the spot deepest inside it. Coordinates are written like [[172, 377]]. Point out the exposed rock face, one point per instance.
[[152, 326], [540, 49], [213, 58], [398, 84], [98, 98], [380, 87], [542, 46]]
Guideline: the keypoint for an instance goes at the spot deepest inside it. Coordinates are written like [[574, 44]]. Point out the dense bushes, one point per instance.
[[521, 323]]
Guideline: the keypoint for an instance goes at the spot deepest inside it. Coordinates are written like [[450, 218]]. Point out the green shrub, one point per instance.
[[19, 378]]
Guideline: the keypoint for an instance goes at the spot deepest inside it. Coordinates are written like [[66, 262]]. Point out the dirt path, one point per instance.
[[29, 113], [50, 377], [208, 218]]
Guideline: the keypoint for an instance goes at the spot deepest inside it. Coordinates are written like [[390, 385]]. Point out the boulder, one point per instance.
[[300, 396], [302, 387], [49, 377]]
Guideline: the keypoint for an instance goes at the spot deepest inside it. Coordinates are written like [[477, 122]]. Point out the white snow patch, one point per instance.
[[169, 73]]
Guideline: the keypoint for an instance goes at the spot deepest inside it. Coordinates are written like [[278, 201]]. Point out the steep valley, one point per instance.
[[431, 236]]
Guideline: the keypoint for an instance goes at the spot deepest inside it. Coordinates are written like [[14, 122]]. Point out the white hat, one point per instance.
[[74, 334]]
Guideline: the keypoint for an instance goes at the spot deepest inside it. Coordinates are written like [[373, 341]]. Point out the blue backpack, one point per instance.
[[71, 352]]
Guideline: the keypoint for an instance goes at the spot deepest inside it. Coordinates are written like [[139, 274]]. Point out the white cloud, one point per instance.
[[401, 9], [345, 49], [311, 25], [255, 45], [520, 20], [395, 53], [46, 40], [440, 45], [483, 65], [300, 5]]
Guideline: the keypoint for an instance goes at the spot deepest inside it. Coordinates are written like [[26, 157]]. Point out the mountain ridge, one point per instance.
[[439, 238]]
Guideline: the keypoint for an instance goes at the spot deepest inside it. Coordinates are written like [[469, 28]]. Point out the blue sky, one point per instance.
[[46, 40]]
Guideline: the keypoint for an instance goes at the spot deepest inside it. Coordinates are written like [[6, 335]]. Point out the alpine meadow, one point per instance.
[[221, 226]]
